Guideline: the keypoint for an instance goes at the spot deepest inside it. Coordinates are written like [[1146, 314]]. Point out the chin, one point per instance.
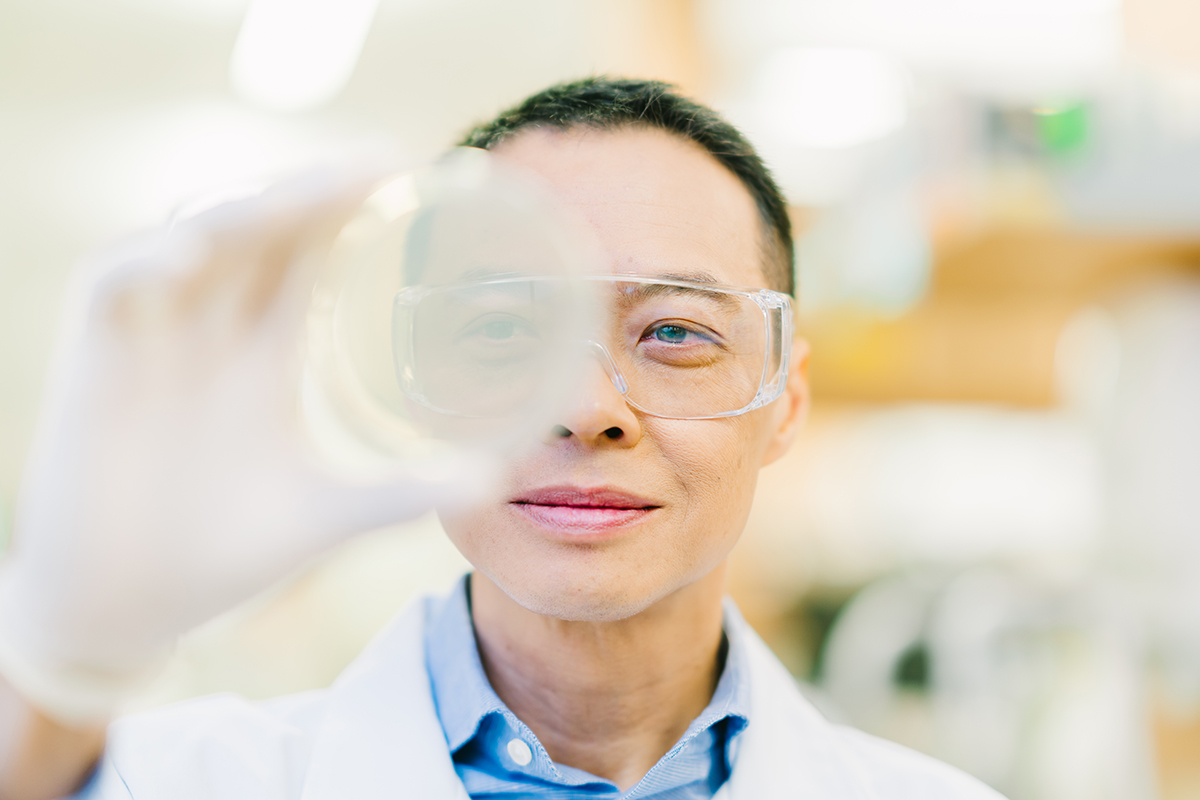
[[582, 593], [588, 600]]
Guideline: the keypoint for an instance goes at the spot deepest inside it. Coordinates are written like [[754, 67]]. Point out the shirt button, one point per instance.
[[519, 752]]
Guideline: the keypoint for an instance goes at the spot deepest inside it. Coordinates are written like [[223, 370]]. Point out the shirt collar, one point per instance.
[[463, 697], [461, 692]]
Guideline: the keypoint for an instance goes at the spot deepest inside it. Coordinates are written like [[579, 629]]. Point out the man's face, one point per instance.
[[615, 509]]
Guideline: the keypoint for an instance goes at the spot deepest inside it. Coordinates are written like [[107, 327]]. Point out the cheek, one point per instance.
[[475, 531], [716, 464], [468, 527]]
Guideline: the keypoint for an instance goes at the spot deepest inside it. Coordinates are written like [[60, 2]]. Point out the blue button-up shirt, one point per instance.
[[498, 756]]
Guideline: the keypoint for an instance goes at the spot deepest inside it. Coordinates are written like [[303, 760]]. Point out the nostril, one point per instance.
[[614, 433], [559, 430]]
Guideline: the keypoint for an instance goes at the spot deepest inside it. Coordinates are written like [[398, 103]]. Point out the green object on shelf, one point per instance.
[[1062, 129]]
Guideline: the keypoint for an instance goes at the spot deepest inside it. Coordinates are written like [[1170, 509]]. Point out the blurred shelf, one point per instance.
[[989, 328]]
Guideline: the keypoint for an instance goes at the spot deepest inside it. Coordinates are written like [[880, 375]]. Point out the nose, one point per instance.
[[599, 413]]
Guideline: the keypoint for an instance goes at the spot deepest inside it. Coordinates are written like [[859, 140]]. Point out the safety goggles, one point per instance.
[[673, 348]]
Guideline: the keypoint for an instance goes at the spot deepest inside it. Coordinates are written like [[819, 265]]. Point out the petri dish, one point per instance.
[[446, 317]]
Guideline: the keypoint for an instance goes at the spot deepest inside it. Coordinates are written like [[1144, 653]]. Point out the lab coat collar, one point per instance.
[[381, 738], [788, 750]]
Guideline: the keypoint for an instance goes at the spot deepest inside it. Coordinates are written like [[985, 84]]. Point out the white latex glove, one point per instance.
[[168, 479]]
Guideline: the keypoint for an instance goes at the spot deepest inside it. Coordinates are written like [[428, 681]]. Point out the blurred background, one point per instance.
[[986, 544]]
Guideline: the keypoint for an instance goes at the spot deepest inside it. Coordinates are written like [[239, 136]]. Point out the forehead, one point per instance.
[[660, 204]]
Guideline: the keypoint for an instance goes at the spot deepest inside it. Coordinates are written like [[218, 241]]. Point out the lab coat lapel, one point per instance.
[[788, 749], [381, 738]]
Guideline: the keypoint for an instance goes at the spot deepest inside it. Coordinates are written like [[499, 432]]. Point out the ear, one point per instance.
[[791, 409]]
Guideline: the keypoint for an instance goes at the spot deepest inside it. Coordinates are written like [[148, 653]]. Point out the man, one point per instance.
[[590, 653]]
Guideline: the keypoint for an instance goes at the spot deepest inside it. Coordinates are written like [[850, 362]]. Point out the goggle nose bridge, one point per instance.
[[601, 354]]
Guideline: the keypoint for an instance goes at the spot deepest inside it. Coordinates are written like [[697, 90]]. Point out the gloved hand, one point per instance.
[[168, 480]]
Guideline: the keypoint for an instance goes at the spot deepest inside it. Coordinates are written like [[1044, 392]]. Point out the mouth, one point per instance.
[[577, 510]]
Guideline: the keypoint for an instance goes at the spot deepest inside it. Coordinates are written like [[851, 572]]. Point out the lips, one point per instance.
[[576, 510]]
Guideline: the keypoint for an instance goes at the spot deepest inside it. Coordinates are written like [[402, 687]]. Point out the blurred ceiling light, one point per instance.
[[830, 97], [298, 54], [123, 170], [1017, 50]]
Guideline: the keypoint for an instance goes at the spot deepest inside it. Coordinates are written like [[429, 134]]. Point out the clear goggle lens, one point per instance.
[[677, 349]]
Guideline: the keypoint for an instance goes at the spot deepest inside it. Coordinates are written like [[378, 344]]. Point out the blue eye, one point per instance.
[[496, 341], [671, 334], [679, 343], [499, 329], [495, 329]]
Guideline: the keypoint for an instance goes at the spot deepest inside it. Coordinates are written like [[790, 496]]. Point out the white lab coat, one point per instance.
[[374, 735]]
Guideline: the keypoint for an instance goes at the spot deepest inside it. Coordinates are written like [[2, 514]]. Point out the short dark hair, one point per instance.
[[606, 103]]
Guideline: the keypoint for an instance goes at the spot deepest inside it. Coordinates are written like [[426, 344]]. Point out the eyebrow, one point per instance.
[[698, 276], [498, 271], [490, 273], [643, 291]]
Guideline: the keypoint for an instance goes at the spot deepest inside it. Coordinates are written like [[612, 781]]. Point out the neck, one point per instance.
[[610, 698]]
